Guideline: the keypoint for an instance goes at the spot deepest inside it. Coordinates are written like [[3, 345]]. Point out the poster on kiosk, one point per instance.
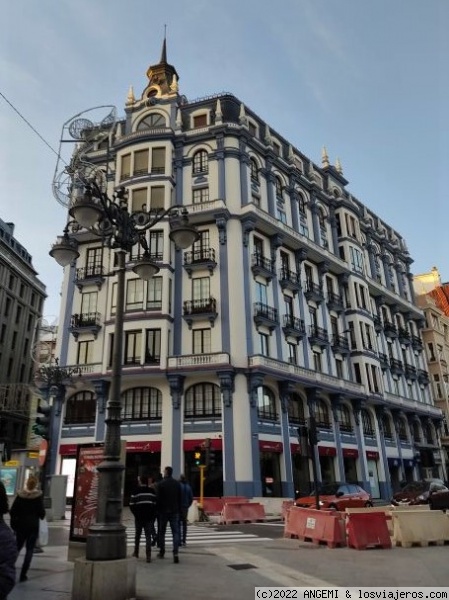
[[85, 492]]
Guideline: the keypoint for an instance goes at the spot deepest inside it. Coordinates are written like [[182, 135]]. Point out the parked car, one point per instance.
[[427, 491], [338, 496]]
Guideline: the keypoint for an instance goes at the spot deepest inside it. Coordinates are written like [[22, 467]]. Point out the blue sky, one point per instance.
[[369, 80]]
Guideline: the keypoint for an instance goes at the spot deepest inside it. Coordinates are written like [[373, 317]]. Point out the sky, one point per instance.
[[368, 80]]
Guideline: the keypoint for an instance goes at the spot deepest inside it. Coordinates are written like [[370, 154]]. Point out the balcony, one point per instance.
[[334, 302], [396, 366], [92, 275], [384, 361], [85, 323], [390, 329], [340, 344], [293, 327], [417, 343], [313, 292], [262, 266], [404, 336], [423, 377], [289, 280], [195, 361], [411, 372], [318, 336], [265, 315], [377, 323], [195, 260], [200, 310]]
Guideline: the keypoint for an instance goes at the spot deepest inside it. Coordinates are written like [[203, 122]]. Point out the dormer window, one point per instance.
[[200, 121]]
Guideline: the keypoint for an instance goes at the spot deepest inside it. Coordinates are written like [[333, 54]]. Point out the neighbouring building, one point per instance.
[[22, 297], [432, 296], [296, 299]]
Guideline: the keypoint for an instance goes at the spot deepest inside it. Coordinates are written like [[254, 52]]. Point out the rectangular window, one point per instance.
[[89, 303], [7, 307], [111, 349], [356, 260], [368, 337], [94, 261], [154, 294], [200, 288], [14, 340], [375, 378], [292, 353], [2, 333], [352, 342], [139, 199], [157, 197], [282, 216], [113, 298], [18, 313], [156, 245], [258, 246], [85, 352], [363, 297], [141, 162], [134, 294], [368, 378], [430, 352], [334, 326], [152, 346], [329, 284], [357, 374], [133, 347], [317, 363], [261, 293], [200, 195], [201, 341], [201, 245], [252, 129], [264, 339], [125, 167], [158, 160], [200, 121], [339, 368], [313, 316]]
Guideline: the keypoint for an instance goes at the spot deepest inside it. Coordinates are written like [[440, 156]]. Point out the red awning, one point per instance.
[[266, 446], [372, 454], [350, 452], [190, 445], [148, 446], [295, 448], [327, 451]]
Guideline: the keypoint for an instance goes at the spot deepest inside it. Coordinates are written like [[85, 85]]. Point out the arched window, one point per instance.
[[278, 184], [80, 408], [142, 404], [386, 424], [203, 400], [266, 404], [151, 122], [402, 429], [254, 170], [322, 218], [200, 162], [322, 415], [301, 204], [344, 418], [367, 423], [295, 409]]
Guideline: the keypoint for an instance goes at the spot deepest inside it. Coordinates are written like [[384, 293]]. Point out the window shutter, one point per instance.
[[141, 162], [126, 166], [158, 160], [139, 199], [157, 197]]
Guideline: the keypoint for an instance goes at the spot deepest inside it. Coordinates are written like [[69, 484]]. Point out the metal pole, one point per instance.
[[107, 538], [202, 478]]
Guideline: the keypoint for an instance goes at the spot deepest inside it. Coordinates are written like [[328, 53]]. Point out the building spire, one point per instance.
[[164, 47]]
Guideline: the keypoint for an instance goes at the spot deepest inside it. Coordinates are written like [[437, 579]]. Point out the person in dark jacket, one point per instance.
[[143, 506], [168, 493], [186, 503], [8, 549], [26, 510]]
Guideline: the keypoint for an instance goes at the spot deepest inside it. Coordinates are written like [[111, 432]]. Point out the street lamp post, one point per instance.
[[110, 220]]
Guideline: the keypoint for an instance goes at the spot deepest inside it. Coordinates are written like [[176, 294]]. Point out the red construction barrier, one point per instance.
[[318, 526], [242, 512], [286, 505], [213, 505], [367, 530]]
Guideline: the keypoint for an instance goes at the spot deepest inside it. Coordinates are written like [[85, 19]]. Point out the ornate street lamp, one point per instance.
[[110, 220]]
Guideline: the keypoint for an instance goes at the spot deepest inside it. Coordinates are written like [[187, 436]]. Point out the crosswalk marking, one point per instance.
[[200, 536]]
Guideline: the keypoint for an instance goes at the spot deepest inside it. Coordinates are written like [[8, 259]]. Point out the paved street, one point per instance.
[[212, 568]]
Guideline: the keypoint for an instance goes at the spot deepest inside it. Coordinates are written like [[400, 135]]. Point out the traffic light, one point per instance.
[[211, 457], [198, 456], [41, 426]]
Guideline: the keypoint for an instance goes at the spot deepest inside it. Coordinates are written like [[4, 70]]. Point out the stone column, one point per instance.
[[254, 381], [285, 389], [385, 486], [357, 406], [335, 404], [173, 429], [227, 390], [101, 387]]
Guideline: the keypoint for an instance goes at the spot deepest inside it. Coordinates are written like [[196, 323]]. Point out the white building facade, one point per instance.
[[296, 300]]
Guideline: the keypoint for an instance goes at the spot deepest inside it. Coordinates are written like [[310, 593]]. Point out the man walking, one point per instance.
[[186, 503], [168, 492], [143, 506]]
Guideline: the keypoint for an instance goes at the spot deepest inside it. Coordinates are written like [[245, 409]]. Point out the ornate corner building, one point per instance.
[[296, 300]]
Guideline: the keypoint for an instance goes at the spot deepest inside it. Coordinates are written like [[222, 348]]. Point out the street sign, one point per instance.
[[12, 463], [43, 452]]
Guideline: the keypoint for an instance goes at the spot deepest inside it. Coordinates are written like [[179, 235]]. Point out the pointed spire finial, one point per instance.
[[130, 99], [324, 157], [268, 139], [218, 112], [338, 166], [164, 47], [291, 154], [242, 115]]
